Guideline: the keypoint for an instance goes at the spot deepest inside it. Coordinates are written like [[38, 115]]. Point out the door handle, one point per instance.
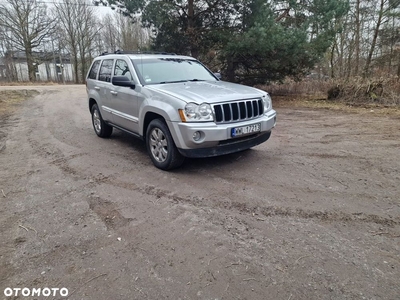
[[96, 88], [114, 93]]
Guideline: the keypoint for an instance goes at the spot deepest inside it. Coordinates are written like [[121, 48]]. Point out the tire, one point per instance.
[[161, 146], [102, 129]]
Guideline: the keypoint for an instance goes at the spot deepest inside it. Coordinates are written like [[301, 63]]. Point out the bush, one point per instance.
[[382, 91], [364, 91]]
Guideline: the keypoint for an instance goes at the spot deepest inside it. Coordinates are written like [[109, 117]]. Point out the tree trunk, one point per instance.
[[76, 71], [29, 62], [332, 59], [83, 65], [374, 39], [230, 70], [194, 49], [357, 39]]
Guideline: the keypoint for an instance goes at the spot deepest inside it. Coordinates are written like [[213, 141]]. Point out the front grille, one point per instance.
[[238, 111]]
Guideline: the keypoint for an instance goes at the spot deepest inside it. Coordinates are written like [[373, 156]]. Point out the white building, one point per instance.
[[49, 67]]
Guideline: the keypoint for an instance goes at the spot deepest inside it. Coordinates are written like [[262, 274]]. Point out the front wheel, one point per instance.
[[161, 146], [100, 127]]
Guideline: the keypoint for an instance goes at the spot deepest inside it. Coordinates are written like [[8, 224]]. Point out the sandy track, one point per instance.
[[314, 213]]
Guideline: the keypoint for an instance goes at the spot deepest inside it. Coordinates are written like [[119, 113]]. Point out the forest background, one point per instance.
[[344, 48]]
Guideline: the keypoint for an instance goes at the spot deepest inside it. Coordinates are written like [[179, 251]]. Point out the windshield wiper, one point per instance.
[[176, 81], [184, 80]]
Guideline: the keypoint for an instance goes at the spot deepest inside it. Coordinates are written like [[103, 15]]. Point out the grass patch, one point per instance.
[[27, 83], [315, 102], [10, 99], [355, 95]]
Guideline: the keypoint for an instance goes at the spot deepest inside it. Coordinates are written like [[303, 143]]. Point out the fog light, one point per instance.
[[196, 136]]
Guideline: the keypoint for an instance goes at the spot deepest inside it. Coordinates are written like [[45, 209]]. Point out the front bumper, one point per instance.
[[218, 136], [227, 148]]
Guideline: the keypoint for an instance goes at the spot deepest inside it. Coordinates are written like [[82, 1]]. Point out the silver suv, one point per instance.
[[176, 105]]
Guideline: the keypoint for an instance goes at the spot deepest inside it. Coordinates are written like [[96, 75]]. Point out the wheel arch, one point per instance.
[[150, 116], [91, 103]]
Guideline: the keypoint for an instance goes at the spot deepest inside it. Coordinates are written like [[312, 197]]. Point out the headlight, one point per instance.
[[267, 102], [196, 113]]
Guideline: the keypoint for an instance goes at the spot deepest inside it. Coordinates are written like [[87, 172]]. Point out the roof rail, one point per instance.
[[143, 52], [137, 52]]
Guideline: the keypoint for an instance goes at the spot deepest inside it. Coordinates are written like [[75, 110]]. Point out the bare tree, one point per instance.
[[381, 12], [87, 31], [121, 32], [131, 35], [77, 20], [6, 53], [368, 40], [357, 36], [26, 24], [66, 13], [109, 34]]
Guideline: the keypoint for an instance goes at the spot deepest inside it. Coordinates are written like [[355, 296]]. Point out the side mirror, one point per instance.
[[123, 81], [218, 75]]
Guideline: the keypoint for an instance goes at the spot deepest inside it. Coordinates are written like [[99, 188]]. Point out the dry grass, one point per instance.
[[378, 96], [293, 101], [316, 88], [10, 99], [27, 83]]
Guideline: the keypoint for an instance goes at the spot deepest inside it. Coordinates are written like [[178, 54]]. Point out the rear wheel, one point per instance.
[[100, 127], [161, 146]]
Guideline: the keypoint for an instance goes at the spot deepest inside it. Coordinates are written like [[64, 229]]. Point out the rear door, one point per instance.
[[104, 86]]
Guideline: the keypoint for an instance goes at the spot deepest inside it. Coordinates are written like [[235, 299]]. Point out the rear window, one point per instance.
[[94, 70]]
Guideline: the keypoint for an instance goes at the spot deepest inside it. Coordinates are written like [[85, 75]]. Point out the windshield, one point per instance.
[[170, 70]]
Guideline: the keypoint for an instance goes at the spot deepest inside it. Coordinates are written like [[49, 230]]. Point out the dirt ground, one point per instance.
[[314, 213]]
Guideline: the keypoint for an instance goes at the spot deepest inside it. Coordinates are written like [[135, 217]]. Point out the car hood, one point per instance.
[[207, 91]]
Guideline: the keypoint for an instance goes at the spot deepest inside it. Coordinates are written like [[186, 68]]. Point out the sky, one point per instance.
[[103, 10]]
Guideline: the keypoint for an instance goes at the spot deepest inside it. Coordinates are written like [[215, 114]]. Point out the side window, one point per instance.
[[93, 71], [105, 70], [122, 69]]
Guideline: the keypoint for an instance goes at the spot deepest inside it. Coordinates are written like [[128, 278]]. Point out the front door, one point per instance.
[[124, 99]]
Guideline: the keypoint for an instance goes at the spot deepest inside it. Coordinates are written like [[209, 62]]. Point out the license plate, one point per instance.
[[243, 130]]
